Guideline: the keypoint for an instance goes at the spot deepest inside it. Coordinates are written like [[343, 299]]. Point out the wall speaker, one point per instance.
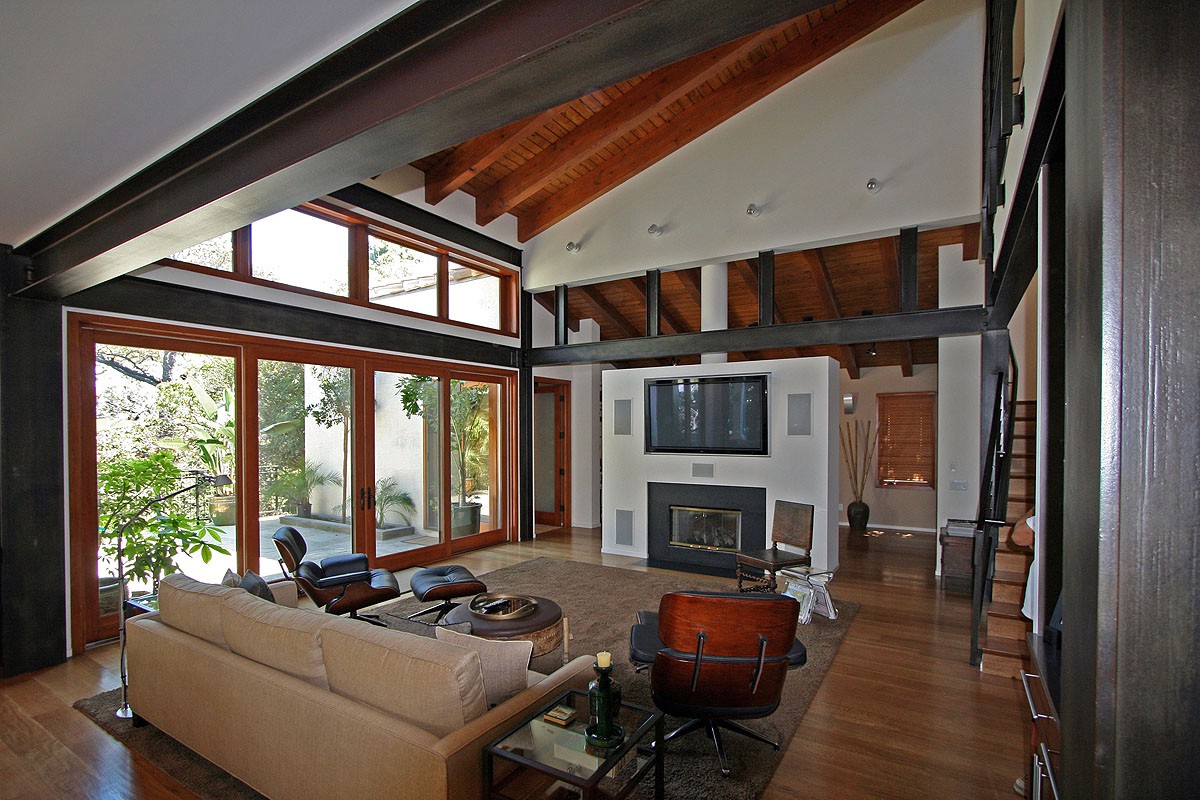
[[624, 527], [623, 418], [799, 414]]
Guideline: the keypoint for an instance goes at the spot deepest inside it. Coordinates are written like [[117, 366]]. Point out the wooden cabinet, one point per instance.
[[1041, 687]]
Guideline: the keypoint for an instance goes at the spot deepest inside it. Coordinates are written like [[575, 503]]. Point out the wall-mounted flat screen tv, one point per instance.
[[720, 415]]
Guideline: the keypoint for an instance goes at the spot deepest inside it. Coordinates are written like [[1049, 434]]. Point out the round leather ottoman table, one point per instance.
[[544, 627]]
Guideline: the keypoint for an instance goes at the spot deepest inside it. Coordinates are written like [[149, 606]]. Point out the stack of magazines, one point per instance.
[[960, 527]]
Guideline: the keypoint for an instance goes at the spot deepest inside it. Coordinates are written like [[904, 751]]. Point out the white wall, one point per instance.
[[902, 106], [1023, 333], [800, 468], [959, 283], [905, 508]]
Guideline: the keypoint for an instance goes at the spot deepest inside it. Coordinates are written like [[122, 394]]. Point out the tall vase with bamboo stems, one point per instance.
[[858, 450]]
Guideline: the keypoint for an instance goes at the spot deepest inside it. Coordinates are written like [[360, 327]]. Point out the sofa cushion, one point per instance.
[[436, 686], [287, 639], [505, 663], [193, 607], [253, 583]]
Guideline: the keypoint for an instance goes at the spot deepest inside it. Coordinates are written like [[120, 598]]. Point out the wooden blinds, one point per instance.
[[907, 439]]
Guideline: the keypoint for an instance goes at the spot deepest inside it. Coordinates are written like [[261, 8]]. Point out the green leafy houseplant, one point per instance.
[[151, 537], [468, 423], [389, 495], [213, 433]]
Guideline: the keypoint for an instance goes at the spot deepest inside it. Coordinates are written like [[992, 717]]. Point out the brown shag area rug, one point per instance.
[[600, 603]]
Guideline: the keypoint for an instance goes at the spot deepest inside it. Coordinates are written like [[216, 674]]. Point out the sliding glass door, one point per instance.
[[306, 456], [399, 458], [155, 417]]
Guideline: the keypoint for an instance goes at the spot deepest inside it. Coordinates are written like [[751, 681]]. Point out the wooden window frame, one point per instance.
[[83, 330], [885, 461], [358, 278]]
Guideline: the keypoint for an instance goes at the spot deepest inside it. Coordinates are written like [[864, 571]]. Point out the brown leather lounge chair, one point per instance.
[[341, 584], [720, 658]]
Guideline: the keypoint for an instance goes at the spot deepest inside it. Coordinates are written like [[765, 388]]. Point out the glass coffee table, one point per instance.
[[539, 760]]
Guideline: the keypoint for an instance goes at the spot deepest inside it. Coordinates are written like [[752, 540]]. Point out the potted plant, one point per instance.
[[858, 449], [151, 537], [388, 496], [213, 434], [297, 486], [468, 438]]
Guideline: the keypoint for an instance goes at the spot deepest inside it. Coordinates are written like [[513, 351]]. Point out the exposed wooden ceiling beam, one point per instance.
[[671, 321], [750, 281], [461, 163], [546, 301], [690, 280], [607, 310], [820, 273], [654, 93], [788, 62], [889, 268]]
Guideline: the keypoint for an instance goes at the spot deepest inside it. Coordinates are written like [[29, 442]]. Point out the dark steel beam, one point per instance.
[[908, 269], [560, 314], [766, 288], [378, 203], [653, 284], [187, 305], [433, 76], [966, 320]]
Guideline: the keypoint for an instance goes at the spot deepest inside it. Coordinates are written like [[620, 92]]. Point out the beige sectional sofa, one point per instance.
[[301, 704]]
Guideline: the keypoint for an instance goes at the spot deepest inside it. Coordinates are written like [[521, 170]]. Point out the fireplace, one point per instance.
[[699, 527], [706, 528]]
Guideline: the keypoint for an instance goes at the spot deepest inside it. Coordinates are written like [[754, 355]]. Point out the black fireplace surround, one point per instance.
[[750, 500]]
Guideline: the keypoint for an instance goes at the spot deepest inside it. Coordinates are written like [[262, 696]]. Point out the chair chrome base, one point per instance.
[[372, 619], [713, 728], [441, 609]]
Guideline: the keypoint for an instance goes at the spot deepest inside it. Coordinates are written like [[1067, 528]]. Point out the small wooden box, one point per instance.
[[957, 556]]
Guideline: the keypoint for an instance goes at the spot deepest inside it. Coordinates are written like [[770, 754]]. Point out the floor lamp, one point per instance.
[[125, 712]]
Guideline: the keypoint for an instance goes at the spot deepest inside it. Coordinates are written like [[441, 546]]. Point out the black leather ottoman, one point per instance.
[[446, 584]]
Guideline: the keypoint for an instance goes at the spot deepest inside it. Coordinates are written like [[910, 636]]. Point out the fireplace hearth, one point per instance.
[[699, 527]]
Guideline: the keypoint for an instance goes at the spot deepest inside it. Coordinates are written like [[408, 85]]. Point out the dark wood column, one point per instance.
[[32, 525], [1130, 697]]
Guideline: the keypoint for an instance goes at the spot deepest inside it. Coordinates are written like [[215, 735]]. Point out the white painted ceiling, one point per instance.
[[91, 91]]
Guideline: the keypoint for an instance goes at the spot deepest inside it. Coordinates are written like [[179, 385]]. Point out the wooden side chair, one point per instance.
[[793, 525]]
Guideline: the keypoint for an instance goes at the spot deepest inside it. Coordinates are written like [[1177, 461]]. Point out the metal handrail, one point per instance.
[[993, 497]]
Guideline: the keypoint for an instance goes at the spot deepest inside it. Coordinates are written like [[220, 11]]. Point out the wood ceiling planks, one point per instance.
[[817, 284], [546, 167]]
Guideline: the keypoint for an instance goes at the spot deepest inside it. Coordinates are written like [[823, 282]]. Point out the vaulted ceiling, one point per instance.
[[544, 168]]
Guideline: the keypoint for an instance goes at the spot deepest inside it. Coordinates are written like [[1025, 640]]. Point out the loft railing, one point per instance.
[[993, 497]]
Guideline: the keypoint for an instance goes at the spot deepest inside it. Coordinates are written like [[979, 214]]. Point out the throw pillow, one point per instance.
[[255, 585], [231, 579], [505, 664]]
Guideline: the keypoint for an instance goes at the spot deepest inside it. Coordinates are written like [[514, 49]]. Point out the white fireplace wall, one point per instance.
[[802, 468]]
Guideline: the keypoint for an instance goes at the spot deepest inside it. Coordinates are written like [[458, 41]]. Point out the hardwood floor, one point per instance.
[[900, 714]]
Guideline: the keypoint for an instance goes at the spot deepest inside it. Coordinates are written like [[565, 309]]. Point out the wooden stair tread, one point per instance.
[[1012, 648], [1005, 610], [1007, 576]]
